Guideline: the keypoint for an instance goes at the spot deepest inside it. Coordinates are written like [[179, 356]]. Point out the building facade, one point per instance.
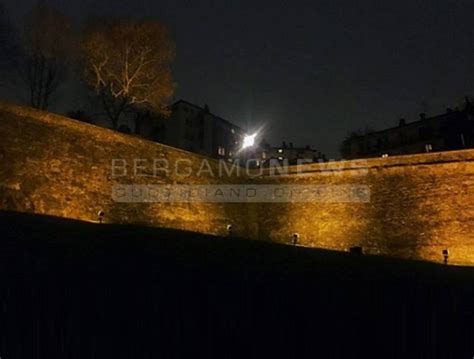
[[196, 129], [453, 130], [291, 155]]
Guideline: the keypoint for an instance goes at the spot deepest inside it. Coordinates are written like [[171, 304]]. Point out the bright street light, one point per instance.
[[249, 141]]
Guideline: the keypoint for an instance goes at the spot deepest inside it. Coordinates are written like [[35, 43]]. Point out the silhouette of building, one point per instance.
[[196, 129], [452, 130]]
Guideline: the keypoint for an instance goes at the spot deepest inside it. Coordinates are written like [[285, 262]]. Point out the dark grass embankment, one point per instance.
[[71, 289]]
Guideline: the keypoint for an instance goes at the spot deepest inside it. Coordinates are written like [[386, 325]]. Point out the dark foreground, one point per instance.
[[78, 290]]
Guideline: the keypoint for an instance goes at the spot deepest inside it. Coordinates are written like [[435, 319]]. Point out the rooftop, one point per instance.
[[199, 108]]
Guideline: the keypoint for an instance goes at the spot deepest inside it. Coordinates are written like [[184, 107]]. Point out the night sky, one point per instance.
[[309, 71]]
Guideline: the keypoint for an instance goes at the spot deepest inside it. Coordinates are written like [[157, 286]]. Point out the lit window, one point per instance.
[[233, 131], [221, 151], [428, 147]]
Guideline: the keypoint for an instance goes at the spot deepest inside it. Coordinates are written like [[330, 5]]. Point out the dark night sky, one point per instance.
[[309, 70]]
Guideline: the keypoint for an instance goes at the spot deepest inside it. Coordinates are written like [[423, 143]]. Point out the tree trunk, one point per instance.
[[138, 123], [141, 117]]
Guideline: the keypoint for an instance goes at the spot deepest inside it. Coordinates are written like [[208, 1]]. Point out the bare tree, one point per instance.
[[47, 45], [128, 63]]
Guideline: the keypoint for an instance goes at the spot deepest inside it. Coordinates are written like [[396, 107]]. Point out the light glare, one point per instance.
[[249, 141]]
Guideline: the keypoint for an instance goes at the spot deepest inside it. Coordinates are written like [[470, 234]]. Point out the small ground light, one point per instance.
[[445, 255], [229, 230], [296, 237], [101, 215]]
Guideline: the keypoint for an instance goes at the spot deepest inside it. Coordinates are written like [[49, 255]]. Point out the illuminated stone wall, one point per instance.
[[419, 205], [56, 166]]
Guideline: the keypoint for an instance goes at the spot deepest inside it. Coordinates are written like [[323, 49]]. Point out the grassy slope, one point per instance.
[[71, 288]]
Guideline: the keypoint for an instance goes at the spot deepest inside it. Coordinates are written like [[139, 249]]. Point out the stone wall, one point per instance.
[[57, 166], [419, 204]]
